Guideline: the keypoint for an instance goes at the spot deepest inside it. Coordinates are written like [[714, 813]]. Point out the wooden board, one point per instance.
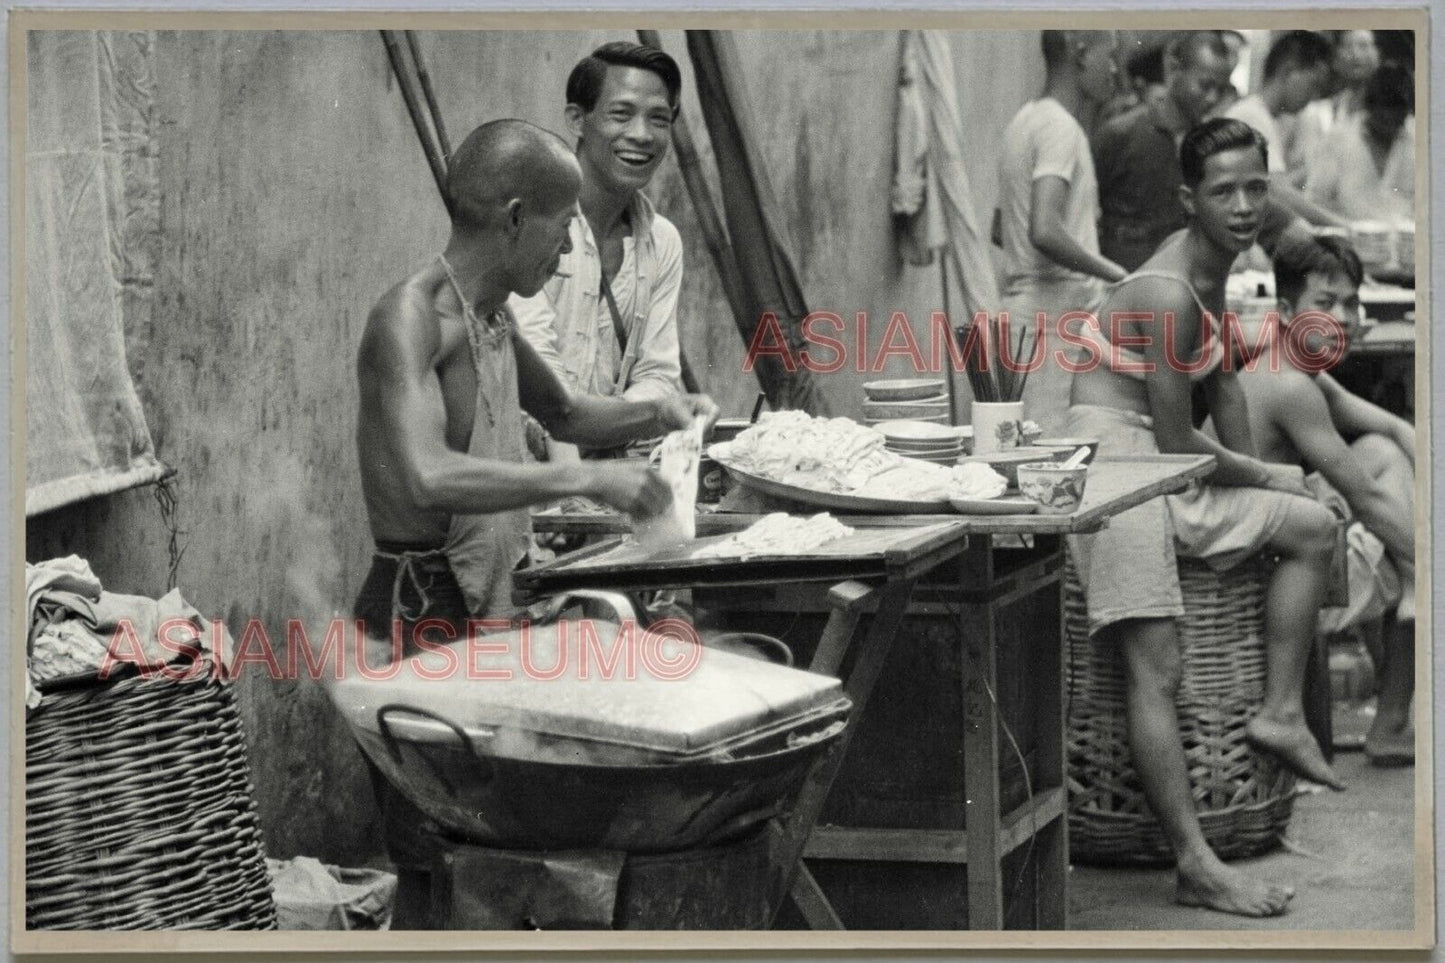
[[880, 552]]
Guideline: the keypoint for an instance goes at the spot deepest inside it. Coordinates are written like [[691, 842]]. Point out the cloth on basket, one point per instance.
[[75, 626]]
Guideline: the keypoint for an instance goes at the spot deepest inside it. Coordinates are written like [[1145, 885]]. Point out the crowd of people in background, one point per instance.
[[1136, 201]]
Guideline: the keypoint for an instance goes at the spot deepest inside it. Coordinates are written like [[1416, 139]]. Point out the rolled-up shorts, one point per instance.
[[1128, 570]]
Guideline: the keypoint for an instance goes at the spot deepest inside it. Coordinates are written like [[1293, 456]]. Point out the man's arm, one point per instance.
[[596, 421], [1169, 391], [400, 388], [1354, 416], [1303, 416], [1229, 408], [1047, 232], [1283, 192], [658, 370]]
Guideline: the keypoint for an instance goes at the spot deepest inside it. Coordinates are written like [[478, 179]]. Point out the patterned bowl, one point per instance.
[[1057, 489]]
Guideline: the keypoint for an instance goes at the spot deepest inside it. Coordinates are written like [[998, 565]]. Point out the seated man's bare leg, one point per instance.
[[1150, 649], [1391, 740], [1305, 543]]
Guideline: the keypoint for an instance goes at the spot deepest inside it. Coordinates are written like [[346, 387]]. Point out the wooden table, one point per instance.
[[1387, 302], [943, 566]]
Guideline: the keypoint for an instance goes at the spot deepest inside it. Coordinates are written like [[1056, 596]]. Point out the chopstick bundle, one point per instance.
[[990, 379]]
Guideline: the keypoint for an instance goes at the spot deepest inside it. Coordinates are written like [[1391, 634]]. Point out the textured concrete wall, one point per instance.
[[293, 193]]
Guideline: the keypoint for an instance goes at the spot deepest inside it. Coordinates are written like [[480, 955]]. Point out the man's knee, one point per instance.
[[1313, 530], [1380, 455], [1150, 650]]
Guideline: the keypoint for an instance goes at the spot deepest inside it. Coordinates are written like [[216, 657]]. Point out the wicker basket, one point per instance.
[[138, 810], [1244, 799]]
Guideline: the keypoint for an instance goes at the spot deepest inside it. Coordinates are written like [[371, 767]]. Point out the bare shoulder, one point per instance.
[[1289, 393], [1154, 295], [403, 323]]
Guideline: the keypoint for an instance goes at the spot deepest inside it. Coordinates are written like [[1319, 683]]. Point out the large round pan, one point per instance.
[[530, 804]]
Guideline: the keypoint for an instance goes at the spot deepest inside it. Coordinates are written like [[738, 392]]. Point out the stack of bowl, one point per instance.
[[926, 441], [915, 399]]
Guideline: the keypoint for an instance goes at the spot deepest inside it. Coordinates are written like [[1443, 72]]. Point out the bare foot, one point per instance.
[[1294, 744], [1391, 742], [1208, 883]]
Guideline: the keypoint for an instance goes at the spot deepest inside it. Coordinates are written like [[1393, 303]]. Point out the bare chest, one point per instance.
[[458, 377]]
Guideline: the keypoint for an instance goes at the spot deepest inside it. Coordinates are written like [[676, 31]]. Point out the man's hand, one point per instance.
[[1286, 478], [628, 486], [677, 411]]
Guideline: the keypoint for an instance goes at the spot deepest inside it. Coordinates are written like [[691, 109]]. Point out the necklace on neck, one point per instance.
[[496, 323]]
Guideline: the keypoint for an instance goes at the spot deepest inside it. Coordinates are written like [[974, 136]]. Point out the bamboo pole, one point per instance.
[[413, 107], [431, 98], [713, 233]]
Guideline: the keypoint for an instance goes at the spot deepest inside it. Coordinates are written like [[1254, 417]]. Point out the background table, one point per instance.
[[1380, 366]]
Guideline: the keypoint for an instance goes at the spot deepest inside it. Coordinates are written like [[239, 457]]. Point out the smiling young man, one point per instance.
[[1138, 401], [607, 323], [1365, 458]]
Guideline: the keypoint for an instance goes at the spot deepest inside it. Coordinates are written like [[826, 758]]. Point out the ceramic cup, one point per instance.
[[1057, 489], [997, 426]]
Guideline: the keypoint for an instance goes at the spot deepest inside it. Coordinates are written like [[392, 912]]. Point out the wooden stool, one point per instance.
[[1244, 800]]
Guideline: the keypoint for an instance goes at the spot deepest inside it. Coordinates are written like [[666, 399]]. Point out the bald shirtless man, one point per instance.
[[443, 378], [1139, 402]]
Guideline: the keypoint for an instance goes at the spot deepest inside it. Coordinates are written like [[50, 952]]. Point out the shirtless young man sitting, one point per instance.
[[1364, 456], [444, 377], [1141, 403]]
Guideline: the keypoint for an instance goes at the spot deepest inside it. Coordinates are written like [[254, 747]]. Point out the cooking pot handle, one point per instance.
[[387, 737]]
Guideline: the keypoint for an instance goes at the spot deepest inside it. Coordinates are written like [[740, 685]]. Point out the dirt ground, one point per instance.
[[1349, 859]]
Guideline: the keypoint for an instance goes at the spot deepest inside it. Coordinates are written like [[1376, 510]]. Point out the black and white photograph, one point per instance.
[[740, 480]]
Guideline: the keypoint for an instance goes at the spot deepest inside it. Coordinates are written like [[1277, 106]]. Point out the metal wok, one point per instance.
[[640, 807]]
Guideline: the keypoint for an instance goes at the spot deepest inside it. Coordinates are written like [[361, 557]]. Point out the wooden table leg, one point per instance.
[[1052, 911], [980, 756], [892, 604]]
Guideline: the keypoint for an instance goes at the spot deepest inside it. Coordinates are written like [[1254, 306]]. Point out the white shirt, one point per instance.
[[1252, 111], [570, 325], [1343, 176], [1044, 140]]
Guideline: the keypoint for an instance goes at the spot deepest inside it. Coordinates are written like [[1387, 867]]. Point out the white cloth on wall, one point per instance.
[[90, 218]]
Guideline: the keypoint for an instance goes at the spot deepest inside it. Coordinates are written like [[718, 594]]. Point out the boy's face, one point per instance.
[[1229, 199], [1333, 294]]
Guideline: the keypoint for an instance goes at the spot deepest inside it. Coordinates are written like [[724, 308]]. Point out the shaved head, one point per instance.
[[510, 160]]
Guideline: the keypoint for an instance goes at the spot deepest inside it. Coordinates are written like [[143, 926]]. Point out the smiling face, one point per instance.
[[626, 135], [1227, 203]]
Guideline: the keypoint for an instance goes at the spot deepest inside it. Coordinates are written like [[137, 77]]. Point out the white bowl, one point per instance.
[[906, 389], [915, 430]]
